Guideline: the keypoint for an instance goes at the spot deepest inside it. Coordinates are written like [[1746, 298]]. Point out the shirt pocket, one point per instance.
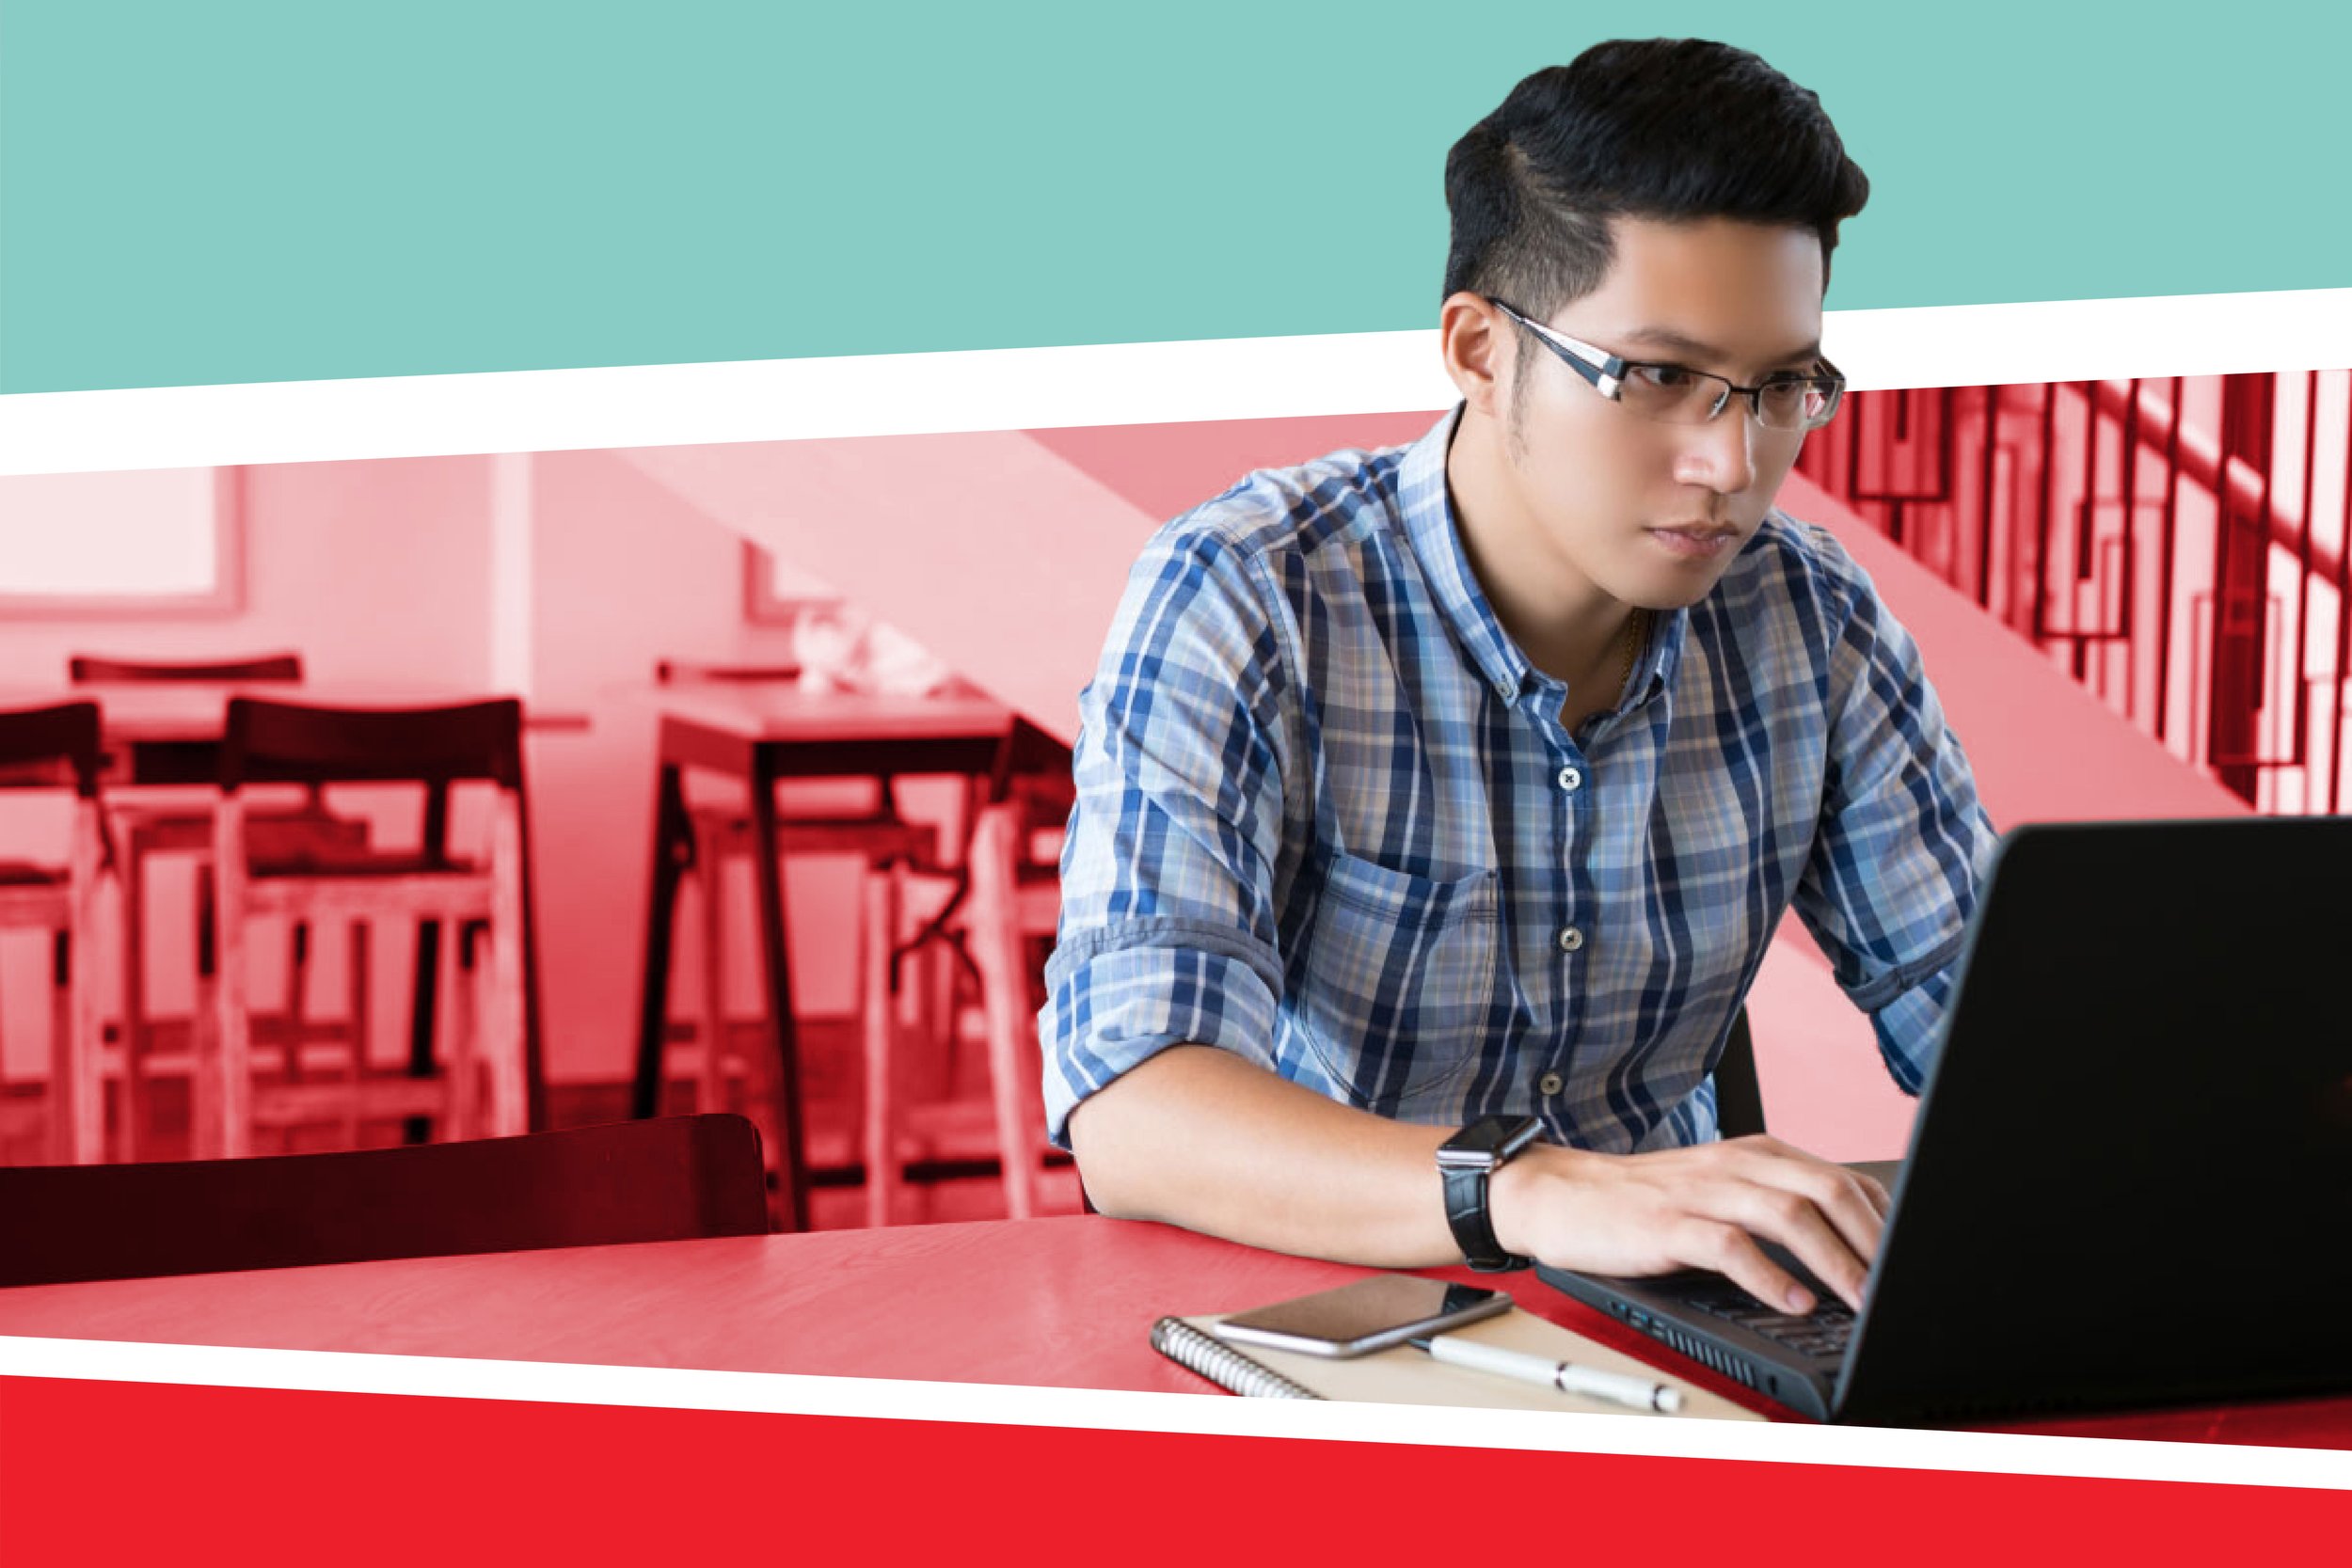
[[1399, 982]]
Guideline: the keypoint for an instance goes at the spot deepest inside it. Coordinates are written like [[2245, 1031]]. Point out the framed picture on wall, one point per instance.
[[776, 592], [163, 542]]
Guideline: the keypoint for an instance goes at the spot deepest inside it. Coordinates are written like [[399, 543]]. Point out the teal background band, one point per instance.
[[245, 191]]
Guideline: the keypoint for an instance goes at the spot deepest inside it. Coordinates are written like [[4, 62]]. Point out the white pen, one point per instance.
[[1566, 1376]]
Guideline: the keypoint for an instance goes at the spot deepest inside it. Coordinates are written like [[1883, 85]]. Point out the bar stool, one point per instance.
[[723, 834], [147, 828], [483, 1089], [1003, 906], [888, 850], [47, 747]]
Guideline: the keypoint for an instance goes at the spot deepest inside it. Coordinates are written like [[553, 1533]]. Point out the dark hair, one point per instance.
[[1652, 128]]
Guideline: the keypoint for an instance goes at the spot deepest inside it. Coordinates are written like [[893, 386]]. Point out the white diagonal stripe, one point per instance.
[[995, 1404], [1236, 378]]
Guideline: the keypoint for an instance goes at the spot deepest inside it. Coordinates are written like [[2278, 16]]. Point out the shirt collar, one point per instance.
[[1436, 537], [1437, 541]]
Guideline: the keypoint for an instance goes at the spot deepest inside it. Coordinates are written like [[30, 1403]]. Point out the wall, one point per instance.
[[626, 573]]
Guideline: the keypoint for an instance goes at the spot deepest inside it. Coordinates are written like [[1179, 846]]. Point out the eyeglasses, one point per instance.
[[1676, 394]]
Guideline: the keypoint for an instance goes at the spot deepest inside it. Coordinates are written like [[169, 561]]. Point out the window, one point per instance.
[[143, 542]]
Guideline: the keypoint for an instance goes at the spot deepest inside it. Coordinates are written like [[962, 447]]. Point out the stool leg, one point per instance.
[[86, 1026], [716, 845], [205, 1033], [66, 1093], [298, 993], [758, 1097], [5, 1154], [77, 959], [356, 990], [710, 1093], [877, 899], [133, 885], [996, 951], [232, 1135], [464, 1011], [937, 1008], [508, 1042]]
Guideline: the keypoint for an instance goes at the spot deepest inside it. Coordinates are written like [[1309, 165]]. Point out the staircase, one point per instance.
[[2176, 546]]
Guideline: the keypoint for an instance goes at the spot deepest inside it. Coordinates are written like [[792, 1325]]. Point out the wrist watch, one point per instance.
[[1465, 1161]]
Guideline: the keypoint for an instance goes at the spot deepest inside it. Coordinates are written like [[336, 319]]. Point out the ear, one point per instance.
[[1474, 340]]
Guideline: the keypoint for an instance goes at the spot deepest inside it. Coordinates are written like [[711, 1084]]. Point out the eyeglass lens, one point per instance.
[[1681, 396]]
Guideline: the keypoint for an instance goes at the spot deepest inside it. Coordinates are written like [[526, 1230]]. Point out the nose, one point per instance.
[[1721, 453]]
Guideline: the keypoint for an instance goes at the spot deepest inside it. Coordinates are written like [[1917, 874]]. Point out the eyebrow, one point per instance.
[[1666, 338]]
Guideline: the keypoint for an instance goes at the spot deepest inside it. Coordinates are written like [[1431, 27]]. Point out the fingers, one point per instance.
[[1733, 1253], [1852, 1202], [1881, 1201], [1831, 1218], [1796, 1223]]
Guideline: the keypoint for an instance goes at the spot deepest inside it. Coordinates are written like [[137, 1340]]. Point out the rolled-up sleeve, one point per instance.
[[1903, 842], [1168, 929]]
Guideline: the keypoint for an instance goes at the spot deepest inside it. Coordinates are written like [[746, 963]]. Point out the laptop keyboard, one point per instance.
[[1822, 1332]]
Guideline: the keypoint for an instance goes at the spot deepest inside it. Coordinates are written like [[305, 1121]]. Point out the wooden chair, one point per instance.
[[675, 1179], [467, 900], [60, 746], [145, 828]]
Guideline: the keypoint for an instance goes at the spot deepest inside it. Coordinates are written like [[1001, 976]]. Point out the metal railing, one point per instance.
[[2179, 545]]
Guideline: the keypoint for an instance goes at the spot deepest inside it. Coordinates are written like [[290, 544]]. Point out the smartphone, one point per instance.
[[1370, 1315]]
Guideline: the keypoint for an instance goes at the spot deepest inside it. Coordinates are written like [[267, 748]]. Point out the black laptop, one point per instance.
[[2130, 1180]]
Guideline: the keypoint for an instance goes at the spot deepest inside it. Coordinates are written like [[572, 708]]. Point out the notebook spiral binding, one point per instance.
[[1221, 1364]]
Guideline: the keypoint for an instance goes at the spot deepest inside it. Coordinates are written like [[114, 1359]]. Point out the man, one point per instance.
[[1469, 780]]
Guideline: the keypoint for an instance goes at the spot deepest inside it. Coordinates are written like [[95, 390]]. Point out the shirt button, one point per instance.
[[1550, 1083], [1570, 938], [1570, 778]]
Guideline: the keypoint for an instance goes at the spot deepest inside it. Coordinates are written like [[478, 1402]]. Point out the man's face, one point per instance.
[[1652, 514]]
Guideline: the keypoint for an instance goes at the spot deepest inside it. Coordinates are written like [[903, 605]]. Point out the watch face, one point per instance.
[[1489, 1139]]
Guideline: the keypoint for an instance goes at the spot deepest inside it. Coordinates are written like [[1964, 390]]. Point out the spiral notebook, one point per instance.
[[1408, 1376]]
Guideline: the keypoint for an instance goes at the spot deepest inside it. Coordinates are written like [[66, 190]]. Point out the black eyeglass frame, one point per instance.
[[1606, 373]]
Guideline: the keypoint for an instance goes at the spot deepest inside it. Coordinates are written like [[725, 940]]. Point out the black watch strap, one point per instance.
[[1473, 1230], [1467, 1161]]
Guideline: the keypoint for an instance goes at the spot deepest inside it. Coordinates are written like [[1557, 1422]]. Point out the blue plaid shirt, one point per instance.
[[1328, 819]]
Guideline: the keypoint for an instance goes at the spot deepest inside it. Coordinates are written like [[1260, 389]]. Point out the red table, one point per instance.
[[1063, 1302]]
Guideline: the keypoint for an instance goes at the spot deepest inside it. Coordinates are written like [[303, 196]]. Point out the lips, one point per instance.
[[1695, 541]]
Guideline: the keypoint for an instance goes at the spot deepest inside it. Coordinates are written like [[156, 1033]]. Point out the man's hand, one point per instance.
[[1701, 1207]]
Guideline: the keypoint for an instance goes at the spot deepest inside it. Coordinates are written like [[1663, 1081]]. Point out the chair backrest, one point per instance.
[[1739, 1098], [85, 668], [668, 1180], [65, 733], [280, 741]]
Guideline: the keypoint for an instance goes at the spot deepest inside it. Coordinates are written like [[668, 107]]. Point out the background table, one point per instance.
[[1066, 1302], [761, 734]]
